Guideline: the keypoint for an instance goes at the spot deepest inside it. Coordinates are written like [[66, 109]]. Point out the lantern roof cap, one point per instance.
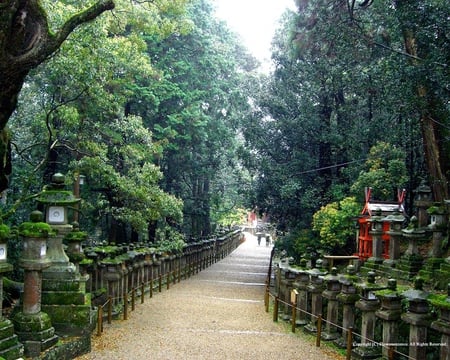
[[55, 193]]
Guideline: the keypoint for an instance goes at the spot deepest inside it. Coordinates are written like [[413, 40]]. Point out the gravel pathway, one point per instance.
[[216, 314]]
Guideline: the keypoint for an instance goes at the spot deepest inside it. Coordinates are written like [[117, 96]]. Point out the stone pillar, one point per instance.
[[333, 287], [438, 226], [389, 313], [395, 222], [347, 297], [301, 285], [423, 199], [113, 276], [368, 305], [376, 231], [442, 324], [411, 262], [33, 326], [315, 289], [418, 318], [287, 282], [10, 348]]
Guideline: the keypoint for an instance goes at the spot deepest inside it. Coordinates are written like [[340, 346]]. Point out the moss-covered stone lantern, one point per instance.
[[395, 221], [64, 296], [33, 326], [57, 201], [9, 343]]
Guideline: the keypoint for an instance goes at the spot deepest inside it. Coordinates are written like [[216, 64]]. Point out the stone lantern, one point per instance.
[[347, 298], [418, 317], [376, 231], [11, 348], [33, 326], [422, 201], [74, 241], [442, 324], [411, 262], [57, 202], [438, 226], [395, 221], [368, 305], [64, 296], [333, 287], [315, 289], [389, 313]]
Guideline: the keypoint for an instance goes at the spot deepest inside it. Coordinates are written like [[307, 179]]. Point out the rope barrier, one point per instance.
[[321, 321]]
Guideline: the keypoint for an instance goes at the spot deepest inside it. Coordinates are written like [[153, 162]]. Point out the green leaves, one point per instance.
[[335, 224]]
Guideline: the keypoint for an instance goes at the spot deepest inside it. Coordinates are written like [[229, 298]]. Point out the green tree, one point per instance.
[[26, 40], [415, 34], [385, 173], [194, 111], [335, 225]]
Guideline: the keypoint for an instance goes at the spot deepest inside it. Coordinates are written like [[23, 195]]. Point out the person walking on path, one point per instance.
[[218, 314]]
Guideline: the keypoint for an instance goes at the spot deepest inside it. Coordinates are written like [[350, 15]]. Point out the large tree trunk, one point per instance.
[[434, 155], [26, 42]]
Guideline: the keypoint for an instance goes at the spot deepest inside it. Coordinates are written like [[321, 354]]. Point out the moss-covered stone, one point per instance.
[[31, 323], [36, 229]]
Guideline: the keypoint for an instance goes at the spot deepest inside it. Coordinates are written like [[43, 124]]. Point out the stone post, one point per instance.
[[10, 348], [410, 263], [368, 305], [301, 284], [64, 296], [418, 318], [113, 276], [347, 297], [376, 231], [442, 324], [331, 293], [422, 201], [315, 288], [438, 226], [287, 282], [395, 222], [389, 313], [33, 326]]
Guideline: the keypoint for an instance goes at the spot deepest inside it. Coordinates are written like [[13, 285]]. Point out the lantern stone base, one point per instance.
[[35, 332], [10, 348], [68, 305], [407, 267], [436, 272]]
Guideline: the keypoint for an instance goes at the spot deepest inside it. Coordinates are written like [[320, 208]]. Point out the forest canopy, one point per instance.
[[163, 111]]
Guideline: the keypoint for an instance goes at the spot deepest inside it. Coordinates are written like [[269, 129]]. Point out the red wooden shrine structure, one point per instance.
[[384, 208]]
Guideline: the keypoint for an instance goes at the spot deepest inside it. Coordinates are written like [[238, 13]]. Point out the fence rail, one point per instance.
[[127, 283], [374, 322]]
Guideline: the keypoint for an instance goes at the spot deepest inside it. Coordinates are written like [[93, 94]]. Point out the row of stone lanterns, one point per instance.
[[53, 301]]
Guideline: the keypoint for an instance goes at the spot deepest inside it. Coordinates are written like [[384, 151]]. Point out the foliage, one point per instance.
[[335, 224], [385, 172], [4, 232], [232, 218]]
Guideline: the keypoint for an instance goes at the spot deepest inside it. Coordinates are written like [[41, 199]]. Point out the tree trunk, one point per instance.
[[436, 161], [26, 42]]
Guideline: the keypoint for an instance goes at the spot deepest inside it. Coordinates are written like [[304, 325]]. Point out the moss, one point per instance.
[[106, 249], [4, 232], [436, 209], [439, 300], [86, 261], [56, 197], [36, 229], [76, 236]]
